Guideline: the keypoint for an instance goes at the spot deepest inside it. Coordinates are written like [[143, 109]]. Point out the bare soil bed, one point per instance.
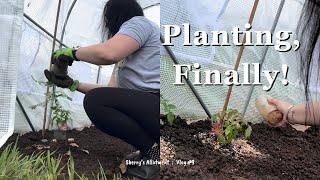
[[270, 153], [90, 147]]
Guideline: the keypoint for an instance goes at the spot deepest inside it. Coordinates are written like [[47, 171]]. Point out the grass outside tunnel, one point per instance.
[[14, 165]]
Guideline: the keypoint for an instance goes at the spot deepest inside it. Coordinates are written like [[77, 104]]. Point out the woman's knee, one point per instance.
[[90, 102], [95, 99]]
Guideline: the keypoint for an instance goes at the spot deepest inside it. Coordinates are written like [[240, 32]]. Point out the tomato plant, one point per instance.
[[233, 126], [169, 111], [60, 115]]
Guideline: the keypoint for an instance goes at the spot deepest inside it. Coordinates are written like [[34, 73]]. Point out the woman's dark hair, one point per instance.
[[308, 32], [116, 12]]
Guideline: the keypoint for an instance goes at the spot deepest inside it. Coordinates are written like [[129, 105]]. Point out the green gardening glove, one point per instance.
[[63, 82], [66, 55]]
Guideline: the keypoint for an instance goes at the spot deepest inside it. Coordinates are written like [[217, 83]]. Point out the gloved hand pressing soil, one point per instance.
[[63, 82]]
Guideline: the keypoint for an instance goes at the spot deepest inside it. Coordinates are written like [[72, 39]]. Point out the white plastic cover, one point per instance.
[[224, 15], [82, 29], [10, 35]]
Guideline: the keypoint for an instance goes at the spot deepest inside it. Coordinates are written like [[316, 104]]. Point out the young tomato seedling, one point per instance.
[[233, 126], [169, 111], [61, 116]]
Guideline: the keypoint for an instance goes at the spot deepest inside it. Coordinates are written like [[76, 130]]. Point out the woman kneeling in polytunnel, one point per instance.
[[128, 107]]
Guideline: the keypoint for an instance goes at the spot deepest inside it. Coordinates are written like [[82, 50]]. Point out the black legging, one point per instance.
[[130, 115]]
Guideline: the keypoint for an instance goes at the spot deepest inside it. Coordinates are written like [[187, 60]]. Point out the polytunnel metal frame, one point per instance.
[[264, 55], [41, 28], [194, 91], [262, 60]]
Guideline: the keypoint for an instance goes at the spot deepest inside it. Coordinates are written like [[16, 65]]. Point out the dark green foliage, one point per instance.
[[169, 111], [234, 125]]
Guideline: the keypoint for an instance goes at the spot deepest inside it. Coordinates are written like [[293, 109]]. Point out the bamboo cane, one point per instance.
[[50, 66], [236, 66]]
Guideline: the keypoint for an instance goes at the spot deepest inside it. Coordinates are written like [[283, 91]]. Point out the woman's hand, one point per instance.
[[282, 107], [65, 82], [67, 55]]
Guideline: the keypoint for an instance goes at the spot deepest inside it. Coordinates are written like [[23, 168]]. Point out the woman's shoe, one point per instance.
[[145, 172], [148, 168]]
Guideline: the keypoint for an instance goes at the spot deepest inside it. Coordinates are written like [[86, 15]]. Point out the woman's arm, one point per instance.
[[297, 114], [85, 87], [109, 52]]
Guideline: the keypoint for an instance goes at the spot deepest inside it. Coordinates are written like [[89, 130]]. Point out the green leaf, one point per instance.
[[248, 132], [170, 118], [235, 133], [238, 126], [171, 106], [221, 140], [214, 118], [161, 122], [168, 109], [232, 112], [228, 130]]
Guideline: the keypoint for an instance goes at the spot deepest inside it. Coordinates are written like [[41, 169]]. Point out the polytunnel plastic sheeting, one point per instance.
[[10, 35], [225, 17], [83, 28]]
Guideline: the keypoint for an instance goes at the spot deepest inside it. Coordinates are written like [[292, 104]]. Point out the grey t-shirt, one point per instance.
[[141, 70]]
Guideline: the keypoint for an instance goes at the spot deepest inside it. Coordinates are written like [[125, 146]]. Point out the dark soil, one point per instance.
[[288, 154], [94, 147]]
